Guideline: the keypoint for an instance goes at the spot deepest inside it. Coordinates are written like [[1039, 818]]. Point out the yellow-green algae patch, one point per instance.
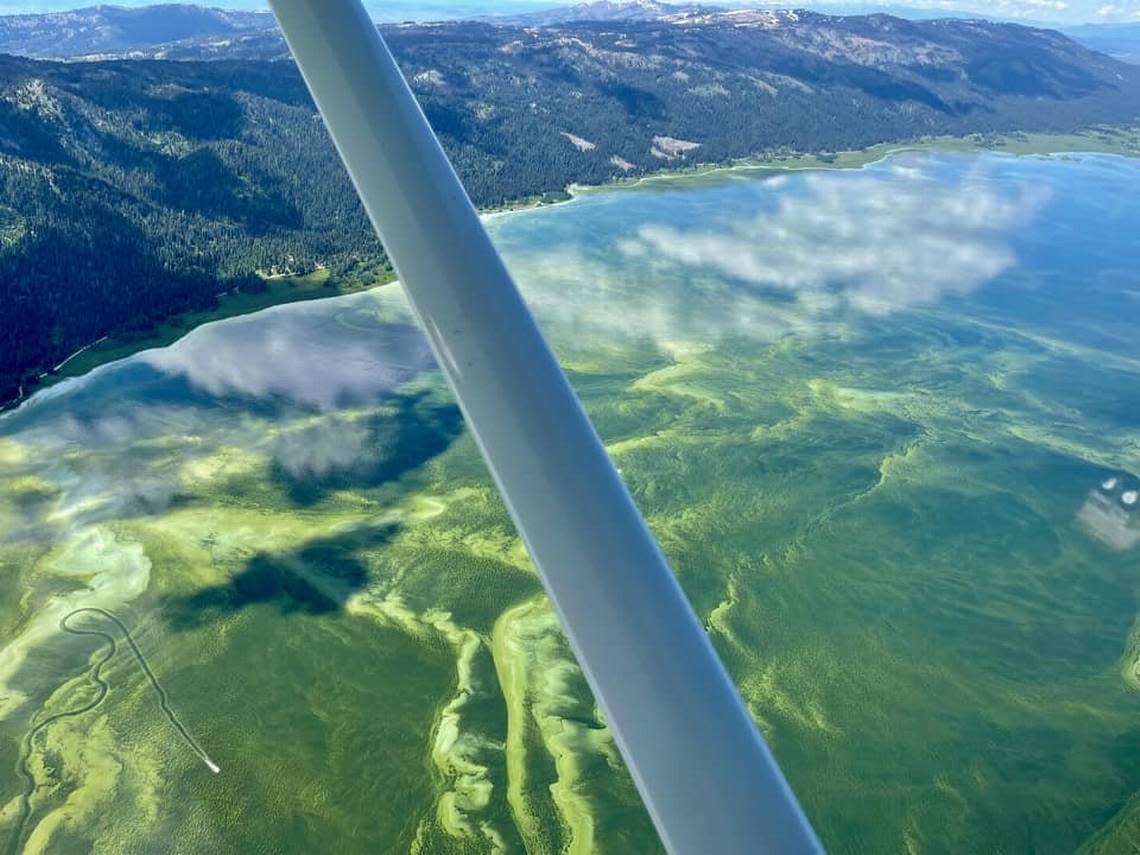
[[678, 378], [455, 751], [109, 571], [93, 773], [231, 462], [1119, 836], [873, 516], [12, 453], [558, 749], [1130, 664]]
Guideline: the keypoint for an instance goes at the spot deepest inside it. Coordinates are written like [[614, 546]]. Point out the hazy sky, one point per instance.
[[1068, 11]]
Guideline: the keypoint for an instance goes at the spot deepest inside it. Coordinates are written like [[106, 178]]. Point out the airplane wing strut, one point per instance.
[[702, 768]]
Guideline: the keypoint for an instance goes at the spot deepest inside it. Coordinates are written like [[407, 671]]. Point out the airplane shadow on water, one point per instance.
[[317, 579], [322, 575]]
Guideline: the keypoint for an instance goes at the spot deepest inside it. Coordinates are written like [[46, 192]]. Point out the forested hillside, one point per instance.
[[133, 189]]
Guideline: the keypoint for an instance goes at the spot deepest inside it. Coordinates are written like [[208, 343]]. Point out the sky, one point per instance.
[[1046, 11]]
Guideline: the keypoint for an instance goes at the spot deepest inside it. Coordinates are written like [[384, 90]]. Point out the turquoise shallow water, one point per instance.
[[885, 423]]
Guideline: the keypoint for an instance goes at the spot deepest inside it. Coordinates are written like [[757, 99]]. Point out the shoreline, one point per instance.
[[280, 290], [1124, 142], [320, 284]]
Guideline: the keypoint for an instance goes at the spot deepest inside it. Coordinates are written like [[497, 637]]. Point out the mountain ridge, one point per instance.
[[108, 31], [601, 10], [109, 28]]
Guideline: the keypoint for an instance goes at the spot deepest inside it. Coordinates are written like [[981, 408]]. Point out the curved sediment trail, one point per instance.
[[103, 688]]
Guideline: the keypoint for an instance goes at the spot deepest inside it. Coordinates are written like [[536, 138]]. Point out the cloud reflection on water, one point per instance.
[[330, 445], [828, 248], [322, 357], [118, 442]]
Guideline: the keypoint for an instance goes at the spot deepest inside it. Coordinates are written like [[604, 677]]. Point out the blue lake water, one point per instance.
[[885, 423]]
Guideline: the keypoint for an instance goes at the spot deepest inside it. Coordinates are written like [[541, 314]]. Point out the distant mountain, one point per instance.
[[1120, 41], [917, 13], [105, 31], [116, 29], [188, 31], [600, 10], [130, 190], [650, 10]]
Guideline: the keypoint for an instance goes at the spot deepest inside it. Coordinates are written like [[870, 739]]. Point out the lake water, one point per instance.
[[884, 422]]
